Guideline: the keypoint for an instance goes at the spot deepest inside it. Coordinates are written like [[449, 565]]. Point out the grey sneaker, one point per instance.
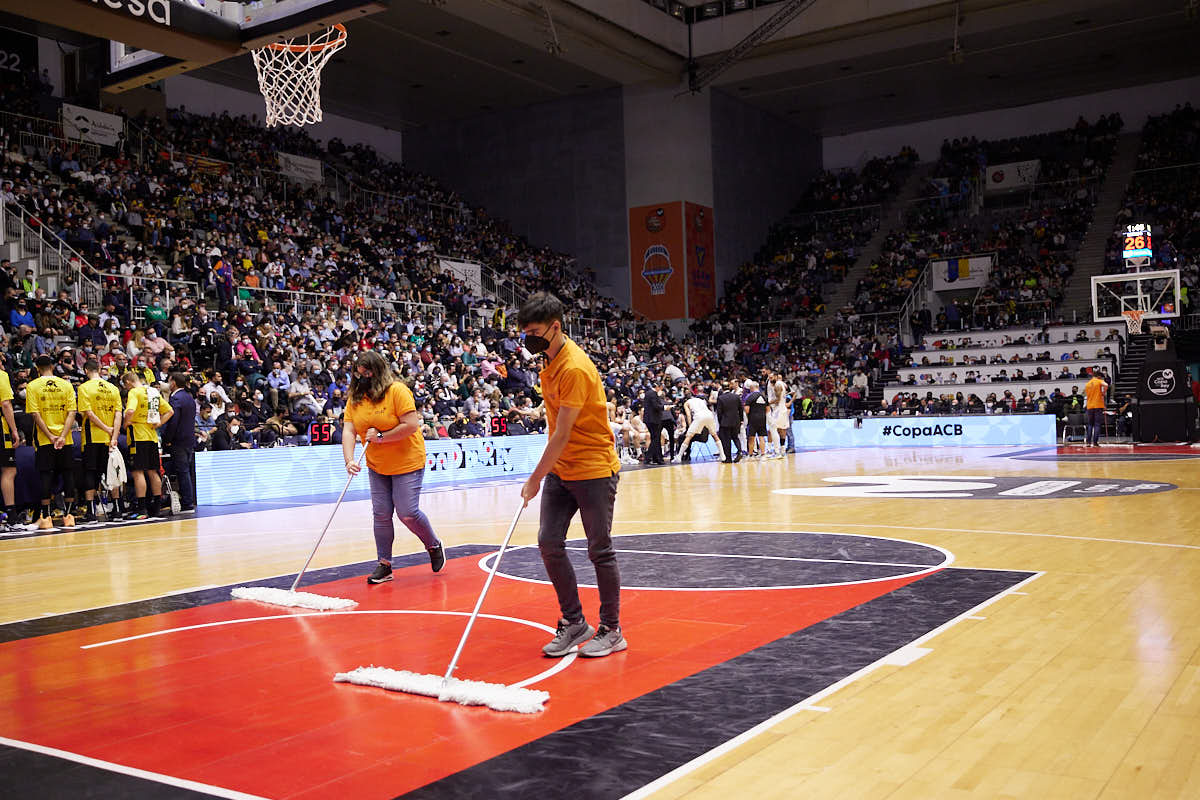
[[567, 637], [607, 640]]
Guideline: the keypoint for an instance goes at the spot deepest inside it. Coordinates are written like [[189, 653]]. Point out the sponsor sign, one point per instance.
[[1014, 175], [230, 476], [468, 272], [973, 487], [701, 269], [1161, 382], [1026, 429], [657, 261], [968, 272], [154, 10], [301, 169], [91, 126]]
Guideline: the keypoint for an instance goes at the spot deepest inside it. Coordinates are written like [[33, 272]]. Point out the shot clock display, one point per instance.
[[1137, 250], [321, 432]]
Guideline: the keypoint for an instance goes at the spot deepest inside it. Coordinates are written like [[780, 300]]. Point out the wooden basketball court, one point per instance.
[[895, 622]]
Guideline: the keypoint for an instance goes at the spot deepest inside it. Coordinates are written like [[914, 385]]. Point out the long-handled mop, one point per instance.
[[290, 597], [496, 696]]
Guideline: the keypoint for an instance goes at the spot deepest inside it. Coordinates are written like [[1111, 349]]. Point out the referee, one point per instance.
[[100, 407], [51, 402]]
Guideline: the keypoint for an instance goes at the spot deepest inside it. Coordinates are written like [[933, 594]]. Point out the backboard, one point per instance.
[[152, 39], [1154, 292]]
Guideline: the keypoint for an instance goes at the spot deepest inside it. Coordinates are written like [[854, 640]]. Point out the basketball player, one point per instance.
[[698, 417], [779, 417], [99, 405], [50, 400], [1096, 393], [580, 469], [144, 415], [640, 434], [10, 440]]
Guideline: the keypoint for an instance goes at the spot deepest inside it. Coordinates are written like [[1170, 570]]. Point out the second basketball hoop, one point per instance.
[[289, 75]]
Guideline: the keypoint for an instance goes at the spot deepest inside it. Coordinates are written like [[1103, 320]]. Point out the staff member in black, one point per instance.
[[729, 423], [179, 438], [653, 414]]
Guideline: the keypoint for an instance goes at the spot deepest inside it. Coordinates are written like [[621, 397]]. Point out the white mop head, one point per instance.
[[495, 696], [283, 597]]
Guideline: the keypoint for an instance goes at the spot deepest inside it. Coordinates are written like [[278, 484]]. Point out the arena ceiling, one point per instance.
[[834, 70]]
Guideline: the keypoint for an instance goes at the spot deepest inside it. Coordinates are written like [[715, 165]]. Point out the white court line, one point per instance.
[[765, 558], [157, 777], [923, 569], [559, 667], [904, 528], [807, 703]]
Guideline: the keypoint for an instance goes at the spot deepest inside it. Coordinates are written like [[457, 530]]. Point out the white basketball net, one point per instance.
[[1133, 320], [289, 75]]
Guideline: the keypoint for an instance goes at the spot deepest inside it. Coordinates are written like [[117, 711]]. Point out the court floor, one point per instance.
[[887, 623]]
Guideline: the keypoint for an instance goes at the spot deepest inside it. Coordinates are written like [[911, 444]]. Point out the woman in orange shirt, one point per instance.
[[382, 408]]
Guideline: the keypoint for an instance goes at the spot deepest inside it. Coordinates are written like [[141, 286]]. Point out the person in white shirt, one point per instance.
[[699, 417], [779, 417]]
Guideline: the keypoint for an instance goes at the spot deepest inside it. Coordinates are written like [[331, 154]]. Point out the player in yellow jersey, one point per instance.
[[101, 414], [145, 412], [10, 440], [51, 402]]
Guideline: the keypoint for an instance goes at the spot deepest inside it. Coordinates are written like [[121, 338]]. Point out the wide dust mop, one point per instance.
[[496, 696], [292, 598]]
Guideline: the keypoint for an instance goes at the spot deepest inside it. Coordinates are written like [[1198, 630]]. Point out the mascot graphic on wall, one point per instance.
[[656, 268]]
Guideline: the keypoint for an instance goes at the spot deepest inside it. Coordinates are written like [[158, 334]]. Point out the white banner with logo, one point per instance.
[[970, 272], [91, 126], [468, 272], [1015, 175], [299, 168]]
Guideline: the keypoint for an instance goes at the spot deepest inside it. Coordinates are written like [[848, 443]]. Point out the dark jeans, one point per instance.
[[1095, 424], [594, 500], [730, 439], [183, 463]]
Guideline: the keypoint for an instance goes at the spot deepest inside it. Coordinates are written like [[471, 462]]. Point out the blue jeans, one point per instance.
[[399, 494]]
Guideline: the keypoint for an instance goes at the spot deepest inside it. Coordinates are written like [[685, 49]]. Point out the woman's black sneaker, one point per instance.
[[382, 573], [437, 557]]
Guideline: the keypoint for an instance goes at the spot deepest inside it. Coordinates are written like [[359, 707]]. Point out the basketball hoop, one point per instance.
[[1133, 320], [289, 75]]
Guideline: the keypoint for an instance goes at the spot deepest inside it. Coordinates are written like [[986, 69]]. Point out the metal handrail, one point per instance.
[[42, 141], [50, 254]]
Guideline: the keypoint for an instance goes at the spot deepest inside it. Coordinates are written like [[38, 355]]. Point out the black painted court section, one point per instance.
[[44, 626], [605, 756], [26, 774], [740, 560]]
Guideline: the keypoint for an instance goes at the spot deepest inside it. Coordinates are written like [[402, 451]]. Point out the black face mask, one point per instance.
[[362, 385], [536, 344]]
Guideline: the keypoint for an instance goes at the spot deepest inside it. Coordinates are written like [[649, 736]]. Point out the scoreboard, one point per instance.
[[1137, 250]]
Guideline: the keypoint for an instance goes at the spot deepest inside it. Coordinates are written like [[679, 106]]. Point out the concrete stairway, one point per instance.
[[1089, 260], [839, 294]]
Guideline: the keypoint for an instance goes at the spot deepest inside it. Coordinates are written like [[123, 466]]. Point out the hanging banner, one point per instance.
[[657, 262], [969, 272], [299, 168], [1015, 175], [91, 126], [701, 271], [469, 272]]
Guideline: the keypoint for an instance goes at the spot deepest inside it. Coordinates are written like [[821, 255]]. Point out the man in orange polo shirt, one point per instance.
[[1096, 391], [580, 469]]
